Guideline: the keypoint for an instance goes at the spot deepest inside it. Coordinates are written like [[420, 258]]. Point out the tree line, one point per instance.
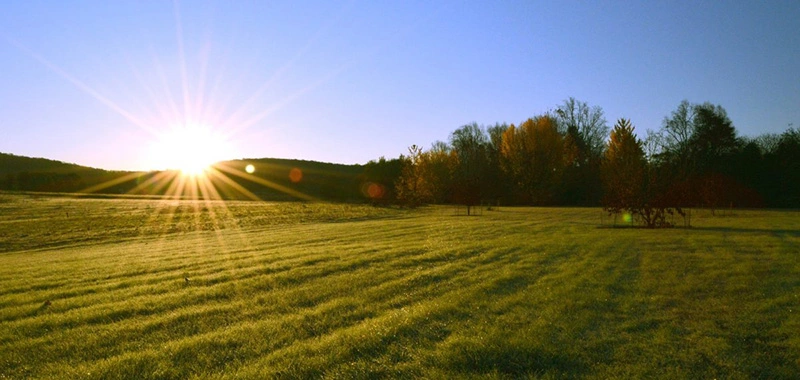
[[569, 156]]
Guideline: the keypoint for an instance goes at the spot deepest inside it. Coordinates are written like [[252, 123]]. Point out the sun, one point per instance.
[[190, 148]]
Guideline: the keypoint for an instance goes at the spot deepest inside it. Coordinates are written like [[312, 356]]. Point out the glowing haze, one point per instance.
[[189, 147], [153, 85]]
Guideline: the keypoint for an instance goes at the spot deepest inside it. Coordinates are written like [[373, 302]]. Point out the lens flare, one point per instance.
[[627, 218], [375, 191], [295, 175], [250, 169]]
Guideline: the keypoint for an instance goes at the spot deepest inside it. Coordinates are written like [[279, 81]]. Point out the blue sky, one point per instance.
[[96, 82]]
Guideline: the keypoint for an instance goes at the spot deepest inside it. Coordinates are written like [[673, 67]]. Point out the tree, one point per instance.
[[767, 143], [532, 156], [694, 151], [10, 183], [585, 130], [712, 148], [623, 170], [632, 184], [670, 155], [544, 159], [714, 139], [412, 189], [469, 144], [379, 179], [676, 131], [588, 124], [749, 172], [437, 166], [497, 186], [787, 162]]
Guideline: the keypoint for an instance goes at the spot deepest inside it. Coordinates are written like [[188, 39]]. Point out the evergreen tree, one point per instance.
[[623, 170]]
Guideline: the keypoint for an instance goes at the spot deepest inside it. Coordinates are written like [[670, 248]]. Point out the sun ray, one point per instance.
[[216, 109], [172, 212], [210, 198], [189, 104], [201, 86], [376, 49], [176, 113], [268, 183], [159, 179], [286, 101], [171, 206], [235, 116], [216, 174], [177, 187], [212, 214], [113, 182], [197, 217], [187, 112], [161, 109], [80, 85]]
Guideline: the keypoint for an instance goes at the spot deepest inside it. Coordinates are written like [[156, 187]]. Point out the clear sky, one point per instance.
[[99, 82]]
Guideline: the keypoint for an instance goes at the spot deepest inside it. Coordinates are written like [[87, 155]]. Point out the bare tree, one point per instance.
[[588, 124], [679, 128], [585, 131]]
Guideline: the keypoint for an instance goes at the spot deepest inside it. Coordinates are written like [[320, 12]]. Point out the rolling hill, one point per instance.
[[20, 173], [273, 179]]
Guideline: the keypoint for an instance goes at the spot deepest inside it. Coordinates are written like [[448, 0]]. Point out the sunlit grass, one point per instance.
[[311, 290], [30, 222]]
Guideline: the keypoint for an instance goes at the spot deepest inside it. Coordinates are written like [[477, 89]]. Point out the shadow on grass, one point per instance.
[[505, 286], [794, 233], [790, 232], [514, 360], [639, 227]]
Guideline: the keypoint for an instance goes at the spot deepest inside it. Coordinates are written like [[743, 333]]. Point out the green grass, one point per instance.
[[295, 290], [32, 222]]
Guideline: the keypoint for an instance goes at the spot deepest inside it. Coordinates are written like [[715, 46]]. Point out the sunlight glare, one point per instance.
[[190, 148]]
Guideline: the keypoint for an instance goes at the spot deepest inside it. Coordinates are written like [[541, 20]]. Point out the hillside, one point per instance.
[[286, 179], [20, 173], [273, 179], [10, 163]]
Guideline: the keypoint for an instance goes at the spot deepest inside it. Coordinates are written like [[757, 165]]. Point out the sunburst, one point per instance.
[[190, 136], [190, 148]]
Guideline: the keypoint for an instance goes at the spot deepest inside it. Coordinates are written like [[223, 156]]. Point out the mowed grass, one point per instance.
[[347, 291]]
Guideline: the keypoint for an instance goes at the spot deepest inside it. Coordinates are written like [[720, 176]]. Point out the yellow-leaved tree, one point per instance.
[[532, 155], [412, 188]]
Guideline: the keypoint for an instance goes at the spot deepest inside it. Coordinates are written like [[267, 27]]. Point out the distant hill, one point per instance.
[[10, 163], [20, 173], [286, 179], [273, 179]]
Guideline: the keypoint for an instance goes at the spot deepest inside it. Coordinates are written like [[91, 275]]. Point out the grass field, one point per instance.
[[138, 289]]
